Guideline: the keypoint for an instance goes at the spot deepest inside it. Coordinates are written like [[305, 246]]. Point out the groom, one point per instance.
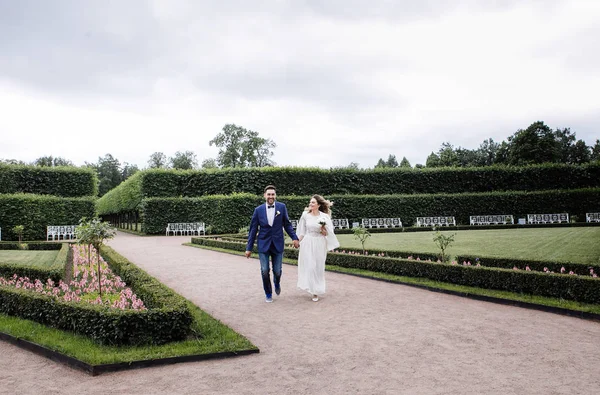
[[269, 220]]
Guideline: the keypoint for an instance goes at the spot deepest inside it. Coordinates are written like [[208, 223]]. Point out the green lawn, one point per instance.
[[573, 244], [40, 259]]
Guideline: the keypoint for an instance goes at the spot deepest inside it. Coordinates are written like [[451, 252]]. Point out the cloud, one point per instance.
[[330, 82]]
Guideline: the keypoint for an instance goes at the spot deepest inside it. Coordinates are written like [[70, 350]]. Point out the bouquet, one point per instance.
[[322, 222]]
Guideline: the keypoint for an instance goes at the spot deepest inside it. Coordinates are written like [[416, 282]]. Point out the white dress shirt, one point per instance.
[[270, 214]]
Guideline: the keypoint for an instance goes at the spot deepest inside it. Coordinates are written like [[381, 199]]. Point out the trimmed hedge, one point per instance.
[[55, 272], [35, 212], [167, 318], [125, 197], [228, 214], [57, 181], [34, 246], [509, 263], [583, 289], [307, 181]]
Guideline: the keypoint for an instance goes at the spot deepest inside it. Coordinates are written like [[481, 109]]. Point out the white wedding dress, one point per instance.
[[313, 251]]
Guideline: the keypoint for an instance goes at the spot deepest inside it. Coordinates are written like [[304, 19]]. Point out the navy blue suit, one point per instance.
[[270, 241], [269, 237]]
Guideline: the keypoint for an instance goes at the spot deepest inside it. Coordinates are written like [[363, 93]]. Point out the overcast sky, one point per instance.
[[330, 81]]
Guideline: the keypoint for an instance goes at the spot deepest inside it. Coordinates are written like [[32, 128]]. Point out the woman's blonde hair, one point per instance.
[[324, 204]]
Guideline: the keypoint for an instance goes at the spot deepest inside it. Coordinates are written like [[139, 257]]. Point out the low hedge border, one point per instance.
[[167, 318], [56, 271], [509, 263], [576, 288], [31, 245]]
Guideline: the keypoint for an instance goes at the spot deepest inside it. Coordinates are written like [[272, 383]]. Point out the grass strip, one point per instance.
[[437, 285]]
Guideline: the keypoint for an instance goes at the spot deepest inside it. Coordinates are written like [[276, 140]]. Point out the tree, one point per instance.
[[381, 164], [536, 144], [433, 160], [580, 153], [564, 142], [12, 162], [362, 234], [240, 147], [184, 160], [128, 170], [596, 151], [109, 173], [258, 151], [157, 160], [447, 155], [391, 161], [96, 232], [405, 163], [50, 161], [487, 153], [443, 242], [210, 164]]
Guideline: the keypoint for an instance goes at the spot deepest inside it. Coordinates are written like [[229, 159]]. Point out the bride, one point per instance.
[[315, 231]]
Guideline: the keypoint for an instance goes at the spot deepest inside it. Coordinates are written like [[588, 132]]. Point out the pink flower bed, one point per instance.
[[85, 282]]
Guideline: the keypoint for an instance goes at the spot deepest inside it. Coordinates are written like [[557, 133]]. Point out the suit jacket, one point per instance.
[[269, 235]]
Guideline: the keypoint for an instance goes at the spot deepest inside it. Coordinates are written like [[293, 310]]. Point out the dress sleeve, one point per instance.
[[332, 241], [301, 230]]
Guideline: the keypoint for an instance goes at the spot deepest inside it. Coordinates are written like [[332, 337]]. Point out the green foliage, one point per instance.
[[443, 242], [534, 264], [95, 232], [362, 234], [304, 181], [184, 160], [240, 147], [126, 197], [158, 160], [57, 181], [36, 212], [50, 161], [227, 214], [18, 230]]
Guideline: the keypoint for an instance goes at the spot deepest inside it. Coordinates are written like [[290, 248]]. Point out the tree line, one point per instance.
[[240, 147], [535, 145]]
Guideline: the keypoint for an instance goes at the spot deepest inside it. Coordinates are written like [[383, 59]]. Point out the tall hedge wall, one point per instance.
[[306, 181], [57, 181], [230, 213], [35, 212]]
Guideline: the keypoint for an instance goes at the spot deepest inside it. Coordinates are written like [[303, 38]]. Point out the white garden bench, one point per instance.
[[491, 219], [60, 232], [185, 228], [381, 223], [340, 223], [592, 217], [436, 221], [547, 218]]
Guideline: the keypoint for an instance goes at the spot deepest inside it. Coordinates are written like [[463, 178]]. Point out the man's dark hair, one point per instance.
[[270, 187]]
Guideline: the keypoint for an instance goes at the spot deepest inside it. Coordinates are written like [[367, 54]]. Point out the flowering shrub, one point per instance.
[[84, 286]]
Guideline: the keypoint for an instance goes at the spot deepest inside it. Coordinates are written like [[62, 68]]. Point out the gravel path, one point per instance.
[[363, 336]]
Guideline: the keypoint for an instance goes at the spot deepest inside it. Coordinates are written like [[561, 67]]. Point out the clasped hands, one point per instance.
[[296, 244]]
